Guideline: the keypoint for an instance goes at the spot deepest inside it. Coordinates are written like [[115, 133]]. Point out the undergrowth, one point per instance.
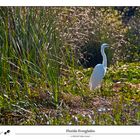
[[40, 83]]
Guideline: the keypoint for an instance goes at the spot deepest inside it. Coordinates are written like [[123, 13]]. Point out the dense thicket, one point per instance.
[[42, 54]]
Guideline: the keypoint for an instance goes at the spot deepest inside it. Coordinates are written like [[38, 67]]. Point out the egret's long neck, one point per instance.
[[104, 57]]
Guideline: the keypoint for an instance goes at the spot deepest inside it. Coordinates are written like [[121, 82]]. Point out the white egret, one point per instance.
[[99, 70]]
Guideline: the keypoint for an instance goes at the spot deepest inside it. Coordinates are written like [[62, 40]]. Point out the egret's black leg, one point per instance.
[[101, 90]]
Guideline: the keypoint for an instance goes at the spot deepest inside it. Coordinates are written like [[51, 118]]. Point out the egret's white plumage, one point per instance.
[[99, 71]]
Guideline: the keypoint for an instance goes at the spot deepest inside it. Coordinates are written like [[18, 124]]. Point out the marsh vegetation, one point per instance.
[[46, 59]]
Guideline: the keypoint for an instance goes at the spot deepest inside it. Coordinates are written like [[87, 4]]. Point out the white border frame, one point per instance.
[[69, 2], [71, 132], [60, 132]]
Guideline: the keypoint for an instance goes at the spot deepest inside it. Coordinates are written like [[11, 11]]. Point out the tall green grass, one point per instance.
[[29, 53]]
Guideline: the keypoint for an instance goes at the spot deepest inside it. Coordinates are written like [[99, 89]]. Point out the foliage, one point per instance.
[[133, 39], [84, 27], [40, 81]]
